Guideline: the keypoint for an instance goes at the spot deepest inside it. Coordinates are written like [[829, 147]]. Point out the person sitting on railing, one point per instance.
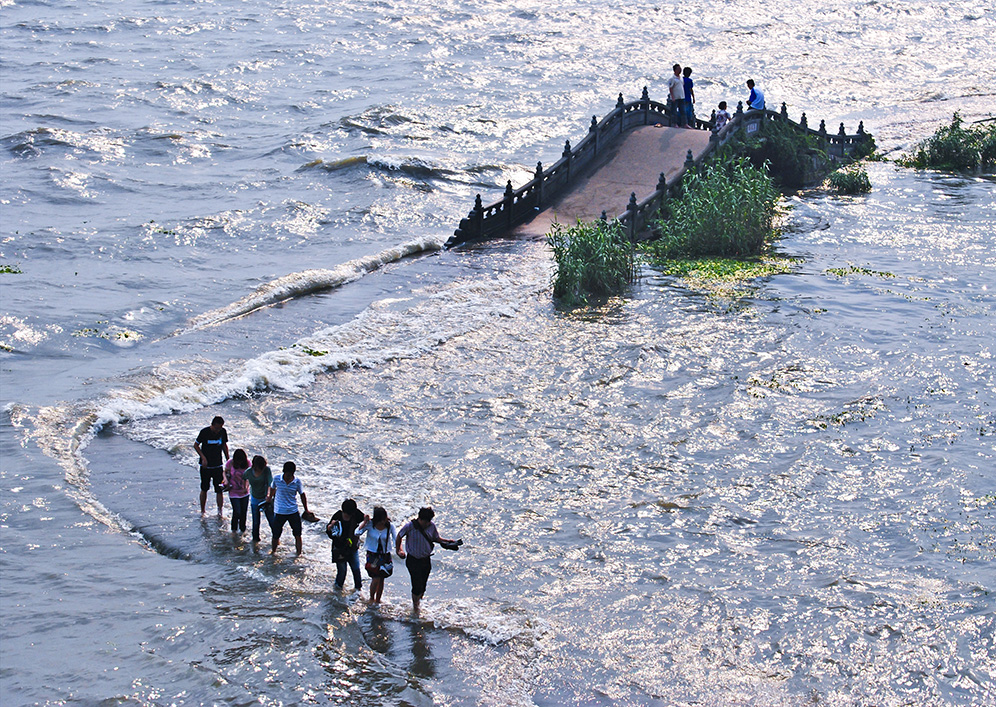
[[722, 116], [756, 99]]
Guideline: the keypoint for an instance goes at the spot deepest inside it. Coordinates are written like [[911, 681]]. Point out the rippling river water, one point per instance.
[[782, 494]]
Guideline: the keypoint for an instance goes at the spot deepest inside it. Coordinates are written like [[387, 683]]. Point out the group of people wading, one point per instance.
[[251, 485], [681, 99]]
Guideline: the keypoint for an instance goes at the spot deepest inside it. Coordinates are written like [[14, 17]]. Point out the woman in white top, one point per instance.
[[380, 539]]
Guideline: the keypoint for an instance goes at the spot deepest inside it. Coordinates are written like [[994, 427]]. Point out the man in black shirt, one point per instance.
[[211, 444]]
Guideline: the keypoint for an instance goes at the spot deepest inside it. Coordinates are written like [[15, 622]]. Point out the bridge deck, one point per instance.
[[634, 164]]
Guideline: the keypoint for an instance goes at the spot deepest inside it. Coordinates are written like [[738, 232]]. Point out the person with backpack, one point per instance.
[[343, 529], [420, 533]]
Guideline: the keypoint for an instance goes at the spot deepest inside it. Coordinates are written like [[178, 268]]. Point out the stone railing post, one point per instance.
[[593, 129], [645, 100], [803, 123], [567, 156], [619, 107], [785, 112], [842, 132], [631, 209], [477, 216], [509, 203], [740, 108], [604, 216], [689, 161], [661, 183], [539, 185]]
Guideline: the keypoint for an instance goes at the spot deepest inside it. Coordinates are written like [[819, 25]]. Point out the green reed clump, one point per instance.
[[956, 148], [725, 210], [593, 259], [850, 180]]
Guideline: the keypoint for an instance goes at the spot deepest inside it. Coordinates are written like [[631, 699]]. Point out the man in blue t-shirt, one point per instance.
[[211, 444], [283, 493], [755, 101]]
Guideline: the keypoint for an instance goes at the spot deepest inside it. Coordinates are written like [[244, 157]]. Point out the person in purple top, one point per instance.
[[419, 534], [238, 488]]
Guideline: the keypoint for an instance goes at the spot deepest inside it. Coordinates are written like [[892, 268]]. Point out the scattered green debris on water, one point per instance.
[[956, 148], [856, 411], [314, 352], [10, 270], [849, 180], [156, 228], [857, 270], [593, 260], [110, 334], [790, 379]]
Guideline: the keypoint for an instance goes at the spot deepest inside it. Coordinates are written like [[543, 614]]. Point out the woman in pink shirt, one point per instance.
[[238, 489]]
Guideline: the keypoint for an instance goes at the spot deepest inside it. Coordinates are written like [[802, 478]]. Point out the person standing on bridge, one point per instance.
[[676, 88], [755, 101], [689, 97]]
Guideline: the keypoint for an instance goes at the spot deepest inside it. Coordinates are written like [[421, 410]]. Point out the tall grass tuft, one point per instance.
[[851, 180], [593, 259], [726, 210], [956, 148]]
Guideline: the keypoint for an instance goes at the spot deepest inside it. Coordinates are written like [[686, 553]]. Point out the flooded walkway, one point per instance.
[[633, 165]]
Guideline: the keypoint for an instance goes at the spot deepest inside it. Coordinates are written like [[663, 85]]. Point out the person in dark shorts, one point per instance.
[[211, 446], [345, 544], [419, 533], [284, 492]]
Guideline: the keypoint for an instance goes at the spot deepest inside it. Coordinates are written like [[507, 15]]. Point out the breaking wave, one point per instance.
[[310, 281]]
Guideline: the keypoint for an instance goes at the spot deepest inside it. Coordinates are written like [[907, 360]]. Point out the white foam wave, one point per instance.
[[379, 334], [487, 623], [309, 281]]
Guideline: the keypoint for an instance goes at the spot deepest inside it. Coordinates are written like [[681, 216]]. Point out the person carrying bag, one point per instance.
[[379, 565]]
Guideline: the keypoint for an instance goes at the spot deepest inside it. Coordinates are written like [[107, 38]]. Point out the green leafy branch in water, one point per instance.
[[314, 352], [956, 148], [10, 270]]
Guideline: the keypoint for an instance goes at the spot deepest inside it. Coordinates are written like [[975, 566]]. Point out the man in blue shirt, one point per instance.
[[283, 493], [756, 99]]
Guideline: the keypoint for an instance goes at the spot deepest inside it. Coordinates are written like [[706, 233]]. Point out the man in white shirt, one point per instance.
[[676, 88]]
